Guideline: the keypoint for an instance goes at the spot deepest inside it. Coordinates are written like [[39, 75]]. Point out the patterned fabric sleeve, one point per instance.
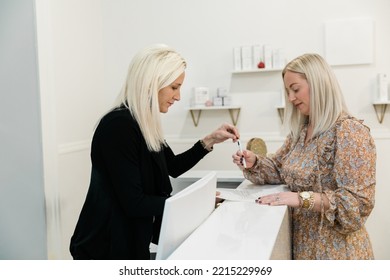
[[354, 172], [267, 169]]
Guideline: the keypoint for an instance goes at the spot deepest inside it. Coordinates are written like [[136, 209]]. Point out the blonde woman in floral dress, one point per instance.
[[328, 162]]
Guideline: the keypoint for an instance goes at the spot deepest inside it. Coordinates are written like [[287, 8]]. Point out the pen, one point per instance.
[[243, 158]]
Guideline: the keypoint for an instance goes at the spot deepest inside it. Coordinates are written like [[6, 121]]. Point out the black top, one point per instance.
[[129, 185]]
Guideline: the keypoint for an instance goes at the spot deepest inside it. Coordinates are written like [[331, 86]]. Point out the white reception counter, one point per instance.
[[241, 230]]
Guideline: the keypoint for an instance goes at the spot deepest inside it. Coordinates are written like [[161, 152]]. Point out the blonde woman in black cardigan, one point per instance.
[[131, 162]]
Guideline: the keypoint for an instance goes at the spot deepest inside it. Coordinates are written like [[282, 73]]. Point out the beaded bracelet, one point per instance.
[[204, 146]]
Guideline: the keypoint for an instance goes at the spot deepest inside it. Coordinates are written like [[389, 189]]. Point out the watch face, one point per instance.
[[305, 195]]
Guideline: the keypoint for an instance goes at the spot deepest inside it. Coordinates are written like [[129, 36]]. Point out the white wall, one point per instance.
[[86, 47], [22, 198]]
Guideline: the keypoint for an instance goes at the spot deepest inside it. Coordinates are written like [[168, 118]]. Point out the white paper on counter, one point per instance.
[[238, 194]]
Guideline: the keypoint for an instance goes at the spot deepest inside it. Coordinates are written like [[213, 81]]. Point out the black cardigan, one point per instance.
[[129, 185]]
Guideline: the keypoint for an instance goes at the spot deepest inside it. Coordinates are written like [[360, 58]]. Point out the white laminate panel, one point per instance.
[[236, 230], [222, 175]]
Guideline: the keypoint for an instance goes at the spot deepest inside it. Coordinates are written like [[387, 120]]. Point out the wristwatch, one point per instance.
[[306, 197]]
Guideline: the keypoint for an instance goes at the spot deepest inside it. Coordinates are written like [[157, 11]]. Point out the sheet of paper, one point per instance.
[[238, 194]]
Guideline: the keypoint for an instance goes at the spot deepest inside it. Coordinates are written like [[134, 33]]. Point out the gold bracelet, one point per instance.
[[300, 200], [311, 206]]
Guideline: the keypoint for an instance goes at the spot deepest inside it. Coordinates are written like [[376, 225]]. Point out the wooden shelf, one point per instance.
[[234, 112], [262, 70]]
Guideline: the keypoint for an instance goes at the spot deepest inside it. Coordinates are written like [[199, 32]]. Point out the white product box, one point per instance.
[[267, 53], [237, 64], [282, 58], [275, 58], [246, 57], [278, 58], [200, 95], [257, 55], [226, 100], [217, 101]]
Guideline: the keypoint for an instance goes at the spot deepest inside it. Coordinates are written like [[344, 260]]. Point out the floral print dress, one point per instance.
[[340, 164]]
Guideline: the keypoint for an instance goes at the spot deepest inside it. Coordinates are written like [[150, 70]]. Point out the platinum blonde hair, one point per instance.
[[152, 69], [326, 99]]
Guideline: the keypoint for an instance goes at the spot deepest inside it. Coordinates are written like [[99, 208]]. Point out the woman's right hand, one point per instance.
[[249, 156]]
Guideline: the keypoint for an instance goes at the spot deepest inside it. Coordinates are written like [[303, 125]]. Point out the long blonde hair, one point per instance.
[[152, 69], [326, 99]]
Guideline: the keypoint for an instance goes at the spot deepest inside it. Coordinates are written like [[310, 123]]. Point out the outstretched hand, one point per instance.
[[223, 133]]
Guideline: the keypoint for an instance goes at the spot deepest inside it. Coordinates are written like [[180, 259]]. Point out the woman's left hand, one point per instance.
[[282, 198]]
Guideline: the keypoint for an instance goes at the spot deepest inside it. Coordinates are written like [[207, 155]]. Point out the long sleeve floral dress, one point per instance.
[[340, 163]]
